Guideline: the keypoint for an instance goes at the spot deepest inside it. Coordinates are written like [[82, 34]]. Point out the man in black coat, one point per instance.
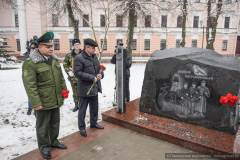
[[128, 65], [86, 69]]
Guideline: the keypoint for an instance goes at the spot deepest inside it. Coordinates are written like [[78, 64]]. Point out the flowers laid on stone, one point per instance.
[[102, 68], [229, 99]]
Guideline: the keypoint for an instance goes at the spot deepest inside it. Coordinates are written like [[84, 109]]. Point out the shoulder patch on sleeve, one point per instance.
[[28, 59], [25, 73]]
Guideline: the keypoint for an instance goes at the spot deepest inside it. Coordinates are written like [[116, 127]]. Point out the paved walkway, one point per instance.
[[112, 143]]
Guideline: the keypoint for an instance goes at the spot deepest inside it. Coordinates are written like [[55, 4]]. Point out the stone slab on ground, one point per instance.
[[199, 139]]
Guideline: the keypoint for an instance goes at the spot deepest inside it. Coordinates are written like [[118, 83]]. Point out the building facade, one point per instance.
[[161, 29]]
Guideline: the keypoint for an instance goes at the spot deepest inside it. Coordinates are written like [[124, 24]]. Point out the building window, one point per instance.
[[70, 44], [16, 20], [105, 45], [70, 23], [179, 21], [224, 45], [228, 1], [118, 40], [56, 44], [102, 20], [180, 0], [85, 24], [195, 21], [178, 43], [194, 43], [135, 21], [134, 44], [148, 21], [197, 1], [4, 43], [147, 44], [213, 1], [18, 45], [164, 21], [54, 20], [163, 0], [119, 20], [163, 44], [226, 23]]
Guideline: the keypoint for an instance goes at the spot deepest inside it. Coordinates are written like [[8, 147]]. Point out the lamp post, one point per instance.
[[201, 24]]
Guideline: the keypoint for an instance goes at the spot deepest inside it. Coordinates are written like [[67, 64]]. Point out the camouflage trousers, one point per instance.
[[74, 90]]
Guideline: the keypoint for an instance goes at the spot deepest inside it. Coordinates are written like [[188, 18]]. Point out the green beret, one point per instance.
[[90, 42], [46, 39]]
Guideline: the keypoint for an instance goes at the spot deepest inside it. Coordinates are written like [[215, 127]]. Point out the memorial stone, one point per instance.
[[185, 84]]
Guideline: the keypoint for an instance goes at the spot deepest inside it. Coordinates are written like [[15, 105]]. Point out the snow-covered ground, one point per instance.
[[17, 129]]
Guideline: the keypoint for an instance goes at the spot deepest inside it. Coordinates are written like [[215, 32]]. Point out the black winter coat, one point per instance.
[[128, 64], [86, 68]]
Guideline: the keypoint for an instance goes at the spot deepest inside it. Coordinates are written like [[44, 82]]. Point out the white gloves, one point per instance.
[[70, 73]]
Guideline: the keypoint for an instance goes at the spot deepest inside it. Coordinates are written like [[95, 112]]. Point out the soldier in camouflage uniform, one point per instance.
[[68, 65]]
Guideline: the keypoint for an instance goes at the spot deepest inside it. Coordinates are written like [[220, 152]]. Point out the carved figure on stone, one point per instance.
[[203, 94], [184, 97], [194, 98]]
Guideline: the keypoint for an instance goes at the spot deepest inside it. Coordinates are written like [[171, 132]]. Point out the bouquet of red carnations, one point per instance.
[[65, 93], [102, 68], [229, 99]]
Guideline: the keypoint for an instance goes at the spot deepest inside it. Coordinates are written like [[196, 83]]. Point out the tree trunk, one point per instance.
[[210, 41], [184, 11], [208, 20], [131, 20], [73, 19]]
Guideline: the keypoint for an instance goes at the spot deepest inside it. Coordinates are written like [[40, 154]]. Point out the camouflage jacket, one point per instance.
[[68, 65]]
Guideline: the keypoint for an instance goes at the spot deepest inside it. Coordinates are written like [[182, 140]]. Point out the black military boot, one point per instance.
[[76, 107], [29, 112]]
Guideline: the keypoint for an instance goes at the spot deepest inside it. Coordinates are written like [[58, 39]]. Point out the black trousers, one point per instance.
[[93, 104]]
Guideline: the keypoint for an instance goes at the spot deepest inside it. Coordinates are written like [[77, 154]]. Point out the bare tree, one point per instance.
[[72, 17], [210, 41]]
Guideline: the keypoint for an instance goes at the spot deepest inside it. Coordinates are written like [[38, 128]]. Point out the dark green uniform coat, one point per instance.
[[43, 81]]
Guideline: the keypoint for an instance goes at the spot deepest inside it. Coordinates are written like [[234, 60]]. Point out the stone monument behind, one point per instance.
[[185, 84]]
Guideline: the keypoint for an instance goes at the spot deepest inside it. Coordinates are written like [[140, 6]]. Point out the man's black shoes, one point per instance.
[[29, 112], [46, 155], [83, 133], [76, 107], [97, 126], [60, 146]]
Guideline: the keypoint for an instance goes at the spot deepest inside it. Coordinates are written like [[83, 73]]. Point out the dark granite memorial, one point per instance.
[[185, 84]]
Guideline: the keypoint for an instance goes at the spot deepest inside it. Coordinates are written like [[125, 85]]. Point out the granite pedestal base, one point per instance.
[[189, 136]]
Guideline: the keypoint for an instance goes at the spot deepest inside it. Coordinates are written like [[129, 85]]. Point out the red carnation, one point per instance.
[[102, 67], [223, 100], [229, 96], [235, 98], [63, 92]]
